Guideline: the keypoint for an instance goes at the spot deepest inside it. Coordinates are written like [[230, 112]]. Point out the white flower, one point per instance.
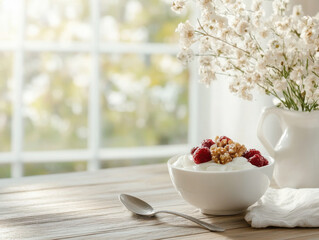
[[274, 44], [186, 55], [221, 21], [264, 32], [208, 16], [309, 35], [280, 84], [207, 75], [256, 5], [241, 89], [205, 61], [297, 11], [204, 45], [296, 74], [279, 6], [242, 27], [204, 2], [234, 85], [206, 70], [256, 78], [224, 33], [178, 6], [205, 5], [309, 82], [283, 26], [257, 19], [187, 34], [245, 94]]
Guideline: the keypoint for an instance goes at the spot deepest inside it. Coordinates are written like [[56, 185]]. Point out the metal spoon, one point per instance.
[[140, 207]]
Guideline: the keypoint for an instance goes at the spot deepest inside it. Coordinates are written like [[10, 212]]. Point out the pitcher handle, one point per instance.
[[260, 133]]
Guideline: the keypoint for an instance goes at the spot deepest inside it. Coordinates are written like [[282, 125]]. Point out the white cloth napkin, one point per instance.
[[286, 207]]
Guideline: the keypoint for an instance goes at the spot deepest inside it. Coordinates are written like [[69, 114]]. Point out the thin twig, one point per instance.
[[214, 55]]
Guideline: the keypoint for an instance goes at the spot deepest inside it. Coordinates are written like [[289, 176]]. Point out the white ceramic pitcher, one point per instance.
[[297, 151]]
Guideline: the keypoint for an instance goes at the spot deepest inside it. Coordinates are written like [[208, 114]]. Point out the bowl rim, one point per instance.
[[174, 158]]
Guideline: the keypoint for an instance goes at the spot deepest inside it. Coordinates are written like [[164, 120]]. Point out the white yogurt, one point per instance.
[[186, 162]]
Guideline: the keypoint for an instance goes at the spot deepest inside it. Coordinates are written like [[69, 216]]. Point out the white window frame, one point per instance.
[[93, 153]]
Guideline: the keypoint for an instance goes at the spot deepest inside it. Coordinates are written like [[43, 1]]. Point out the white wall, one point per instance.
[[237, 118]]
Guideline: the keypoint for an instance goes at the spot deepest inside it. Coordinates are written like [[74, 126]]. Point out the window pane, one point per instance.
[[8, 19], [52, 168], [55, 100], [5, 170], [138, 21], [58, 20], [5, 100], [144, 100]]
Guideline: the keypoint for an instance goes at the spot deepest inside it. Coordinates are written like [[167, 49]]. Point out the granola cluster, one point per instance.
[[225, 149]]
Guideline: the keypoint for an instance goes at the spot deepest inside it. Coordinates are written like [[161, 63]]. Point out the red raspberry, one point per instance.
[[258, 160], [224, 137], [265, 162], [207, 143], [251, 153], [201, 155], [193, 150]]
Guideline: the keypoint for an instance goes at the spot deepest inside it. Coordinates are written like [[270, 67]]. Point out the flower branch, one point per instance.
[[278, 54]]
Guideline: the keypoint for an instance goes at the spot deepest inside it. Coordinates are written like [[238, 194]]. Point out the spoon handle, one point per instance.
[[209, 226]]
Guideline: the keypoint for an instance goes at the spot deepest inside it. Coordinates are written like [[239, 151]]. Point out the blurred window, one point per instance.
[[86, 84]]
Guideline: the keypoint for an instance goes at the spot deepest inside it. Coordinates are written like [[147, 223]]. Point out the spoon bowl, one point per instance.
[[136, 205], [142, 208]]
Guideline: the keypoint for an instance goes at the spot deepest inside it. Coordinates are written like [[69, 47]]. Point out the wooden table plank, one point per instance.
[[86, 206]]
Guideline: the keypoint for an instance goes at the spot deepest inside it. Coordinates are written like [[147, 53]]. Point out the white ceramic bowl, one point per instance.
[[221, 193]]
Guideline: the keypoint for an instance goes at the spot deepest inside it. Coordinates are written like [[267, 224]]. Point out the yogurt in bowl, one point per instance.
[[220, 189], [186, 162]]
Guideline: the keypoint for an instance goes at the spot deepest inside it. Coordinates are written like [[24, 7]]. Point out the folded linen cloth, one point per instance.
[[286, 207]]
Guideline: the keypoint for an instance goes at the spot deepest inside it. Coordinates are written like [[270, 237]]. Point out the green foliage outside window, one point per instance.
[[144, 97]]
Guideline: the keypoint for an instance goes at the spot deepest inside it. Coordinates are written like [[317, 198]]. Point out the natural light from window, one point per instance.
[[89, 84]]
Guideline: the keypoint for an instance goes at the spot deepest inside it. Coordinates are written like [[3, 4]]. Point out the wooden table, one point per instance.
[[85, 206]]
